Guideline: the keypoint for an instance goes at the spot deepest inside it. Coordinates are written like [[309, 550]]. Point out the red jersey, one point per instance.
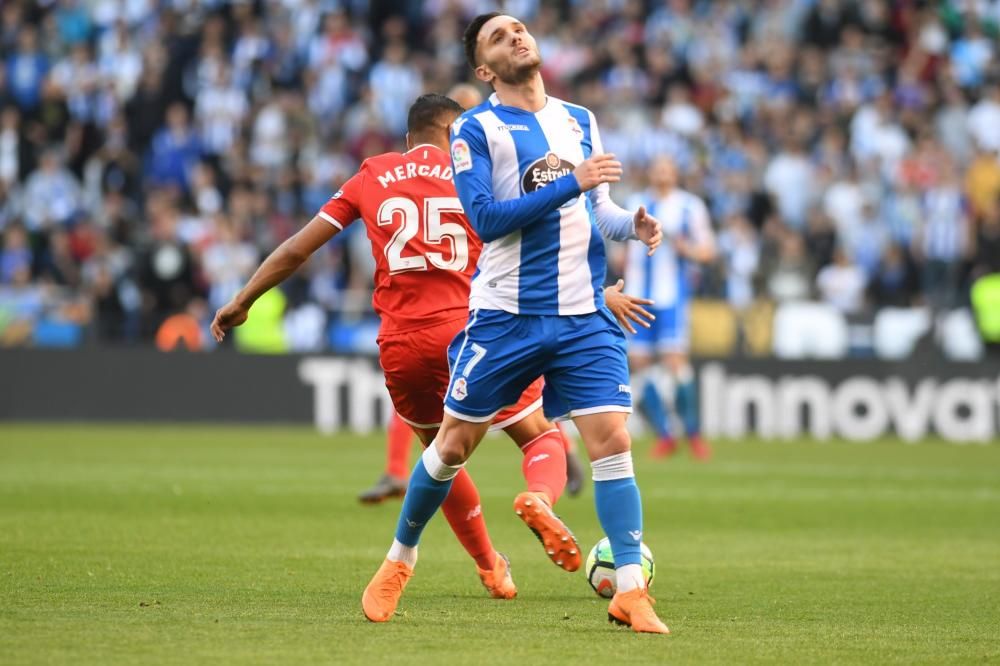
[[425, 251]]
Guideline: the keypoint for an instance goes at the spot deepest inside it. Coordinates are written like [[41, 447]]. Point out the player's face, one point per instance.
[[663, 173], [507, 51]]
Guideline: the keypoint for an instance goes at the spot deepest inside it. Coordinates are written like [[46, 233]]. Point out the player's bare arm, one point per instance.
[[285, 260], [627, 309], [701, 252], [648, 229]]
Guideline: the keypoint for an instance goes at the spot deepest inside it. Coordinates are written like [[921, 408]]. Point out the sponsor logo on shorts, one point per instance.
[[460, 389], [461, 155], [625, 388]]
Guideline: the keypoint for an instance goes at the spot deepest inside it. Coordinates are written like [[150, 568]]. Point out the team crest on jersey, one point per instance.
[[460, 389], [461, 155], [574, 127], [544, 171]]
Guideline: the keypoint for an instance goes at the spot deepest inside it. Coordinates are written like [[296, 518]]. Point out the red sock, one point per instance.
[[544, 465], [400, 436], [465, 515]]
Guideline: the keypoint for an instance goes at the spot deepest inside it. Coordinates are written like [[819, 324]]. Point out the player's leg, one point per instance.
[[480, 386], [544, 467], [590, 373], [544, 452], [574, 468], [430, 482], [674, 351], [392, 483], [462, 508], [646, 384]]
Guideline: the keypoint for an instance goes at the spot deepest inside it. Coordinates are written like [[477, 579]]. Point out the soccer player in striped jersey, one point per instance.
[[665, 279], [425, 254], [533, 178]]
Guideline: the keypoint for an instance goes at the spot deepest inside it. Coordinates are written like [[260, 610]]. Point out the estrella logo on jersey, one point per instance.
[[544, 171]]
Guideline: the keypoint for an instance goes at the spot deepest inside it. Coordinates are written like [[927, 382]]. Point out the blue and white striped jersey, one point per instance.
[[542, 248], [664, 277]]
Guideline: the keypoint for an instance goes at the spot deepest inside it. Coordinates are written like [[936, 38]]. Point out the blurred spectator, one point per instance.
[[149, 149], [943, 240], [15, 258], [53, 191], [26, 70], [842, 283], [175, 150]]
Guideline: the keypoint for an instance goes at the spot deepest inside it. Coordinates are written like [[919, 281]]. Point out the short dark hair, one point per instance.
[[425, 112], [471, 36]]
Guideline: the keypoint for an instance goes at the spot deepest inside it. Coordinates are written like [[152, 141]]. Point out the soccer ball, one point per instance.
[[601, 568]]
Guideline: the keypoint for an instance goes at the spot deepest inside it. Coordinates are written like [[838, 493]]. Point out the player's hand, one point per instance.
[[228, 316], [626, 308], [597, 170], [648, 229]]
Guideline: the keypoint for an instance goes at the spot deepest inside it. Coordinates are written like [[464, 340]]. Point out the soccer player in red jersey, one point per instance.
[[425, 254]]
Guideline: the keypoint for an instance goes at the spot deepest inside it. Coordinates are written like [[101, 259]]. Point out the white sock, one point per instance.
[[629, 577], [408, 554]]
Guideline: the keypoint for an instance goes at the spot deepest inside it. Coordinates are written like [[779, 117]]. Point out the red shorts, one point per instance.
[[417, 375]]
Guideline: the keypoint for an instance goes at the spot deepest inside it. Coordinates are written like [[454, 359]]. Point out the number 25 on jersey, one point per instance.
[[412, 221]]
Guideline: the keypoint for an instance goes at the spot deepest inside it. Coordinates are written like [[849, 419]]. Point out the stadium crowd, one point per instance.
[[152, 151]]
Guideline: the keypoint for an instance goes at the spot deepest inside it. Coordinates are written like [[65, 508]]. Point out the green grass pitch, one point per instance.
[[183, 545]]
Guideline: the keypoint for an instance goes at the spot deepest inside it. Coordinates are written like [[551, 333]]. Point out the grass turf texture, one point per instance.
[[181, 545]]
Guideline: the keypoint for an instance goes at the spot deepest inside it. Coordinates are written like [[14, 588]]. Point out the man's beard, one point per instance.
[[515, 74]]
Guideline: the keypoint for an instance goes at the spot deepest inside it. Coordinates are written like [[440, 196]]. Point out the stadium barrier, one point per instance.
[[773, 399]]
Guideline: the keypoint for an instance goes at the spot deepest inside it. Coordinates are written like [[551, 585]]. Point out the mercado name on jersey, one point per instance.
[[420, 239], [556, 263]]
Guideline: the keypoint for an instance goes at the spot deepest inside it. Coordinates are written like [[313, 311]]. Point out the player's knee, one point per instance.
[[614, 442], [455, 448]]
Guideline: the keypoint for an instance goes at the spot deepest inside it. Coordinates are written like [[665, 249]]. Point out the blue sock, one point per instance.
[[687, 406], [651, 404], [619, 507], [424, 495]]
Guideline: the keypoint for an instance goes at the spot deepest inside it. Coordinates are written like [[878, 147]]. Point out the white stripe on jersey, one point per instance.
[[576, 294], [500, 261]]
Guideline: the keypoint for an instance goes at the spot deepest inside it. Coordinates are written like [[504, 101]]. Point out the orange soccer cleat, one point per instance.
[[560, 544], [635, 609], [383, 592], [497, 580]]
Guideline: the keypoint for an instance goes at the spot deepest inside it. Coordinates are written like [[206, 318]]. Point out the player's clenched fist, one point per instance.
[[596, 170], [228, 316]]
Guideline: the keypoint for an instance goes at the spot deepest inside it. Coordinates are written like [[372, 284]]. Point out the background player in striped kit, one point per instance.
[[532, 176], [658, 355]]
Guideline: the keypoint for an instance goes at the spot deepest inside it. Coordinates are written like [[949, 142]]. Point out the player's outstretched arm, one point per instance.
[[626, 308], [281, 263]]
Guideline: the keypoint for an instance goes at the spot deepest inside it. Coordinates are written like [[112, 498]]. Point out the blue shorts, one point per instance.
[[667, 333], [581, 357]]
